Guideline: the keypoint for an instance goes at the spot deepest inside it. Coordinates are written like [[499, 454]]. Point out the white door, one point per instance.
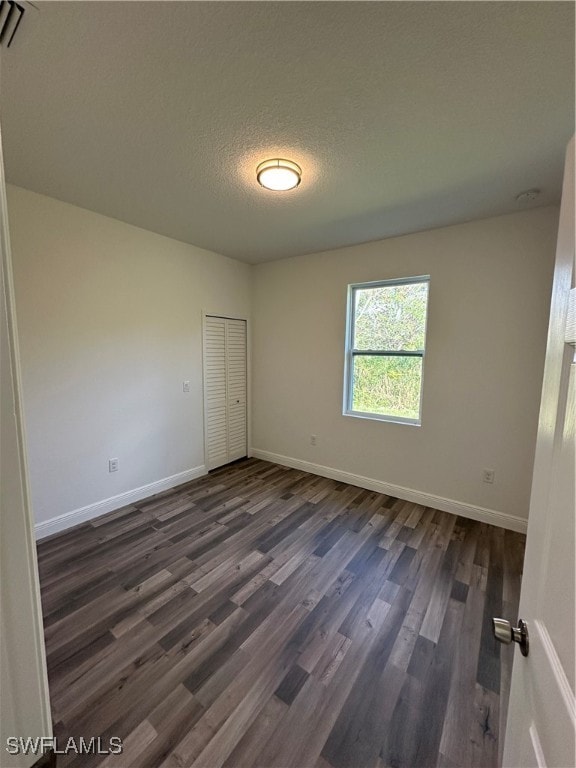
[[225, 390], [542, 711], [236, 382]]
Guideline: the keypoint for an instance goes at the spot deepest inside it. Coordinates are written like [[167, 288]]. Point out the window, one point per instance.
[[385, 349]]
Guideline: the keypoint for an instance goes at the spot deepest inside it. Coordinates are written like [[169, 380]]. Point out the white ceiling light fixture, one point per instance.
[[279, 175]]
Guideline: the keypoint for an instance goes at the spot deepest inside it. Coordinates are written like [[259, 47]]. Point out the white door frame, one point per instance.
[[25, 697]]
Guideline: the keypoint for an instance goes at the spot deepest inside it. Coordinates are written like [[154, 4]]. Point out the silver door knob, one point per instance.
[[505, 633]]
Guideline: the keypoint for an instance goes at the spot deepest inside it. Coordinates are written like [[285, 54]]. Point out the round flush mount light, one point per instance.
[[278, 175]]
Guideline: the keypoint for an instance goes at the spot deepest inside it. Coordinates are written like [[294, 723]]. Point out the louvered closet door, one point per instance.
[[215, 391], [225, 390], [236, 384]]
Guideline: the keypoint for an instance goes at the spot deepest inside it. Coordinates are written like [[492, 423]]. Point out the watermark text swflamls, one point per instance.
[[37, 745]]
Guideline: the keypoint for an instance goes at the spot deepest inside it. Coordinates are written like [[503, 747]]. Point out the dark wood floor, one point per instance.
[[262, 616]]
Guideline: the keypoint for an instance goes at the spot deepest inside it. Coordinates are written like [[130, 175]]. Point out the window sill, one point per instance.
[[381, 417]]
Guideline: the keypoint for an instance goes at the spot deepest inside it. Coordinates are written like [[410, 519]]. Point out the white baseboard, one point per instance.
[[76, 516], [492, 516]]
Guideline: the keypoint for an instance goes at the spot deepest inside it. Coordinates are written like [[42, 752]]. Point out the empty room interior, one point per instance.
[[283, 291]]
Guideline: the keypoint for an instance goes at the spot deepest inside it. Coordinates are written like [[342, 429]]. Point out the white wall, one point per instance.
[[110, 326], [488, 308]]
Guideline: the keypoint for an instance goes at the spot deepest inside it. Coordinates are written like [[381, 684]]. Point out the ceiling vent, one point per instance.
[[11, 14], [528, 196]]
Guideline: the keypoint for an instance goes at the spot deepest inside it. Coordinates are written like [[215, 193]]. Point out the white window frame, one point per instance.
[[351, 352]]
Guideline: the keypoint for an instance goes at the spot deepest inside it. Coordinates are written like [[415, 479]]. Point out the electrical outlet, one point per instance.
[[185, 386], [113, 465], [488, 475], [313, 439]]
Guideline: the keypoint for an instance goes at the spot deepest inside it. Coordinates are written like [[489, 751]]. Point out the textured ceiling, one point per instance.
[[403, 115]]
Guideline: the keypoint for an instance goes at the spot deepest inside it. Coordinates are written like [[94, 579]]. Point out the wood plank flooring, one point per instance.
[[262, 616]]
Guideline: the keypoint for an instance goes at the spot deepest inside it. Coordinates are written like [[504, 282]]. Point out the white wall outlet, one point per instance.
[[113, 465], [313, 439], [185, 386], [488, 475]]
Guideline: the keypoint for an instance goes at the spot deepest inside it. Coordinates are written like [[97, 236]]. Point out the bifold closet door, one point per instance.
[[236, 387], [225, 390]]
